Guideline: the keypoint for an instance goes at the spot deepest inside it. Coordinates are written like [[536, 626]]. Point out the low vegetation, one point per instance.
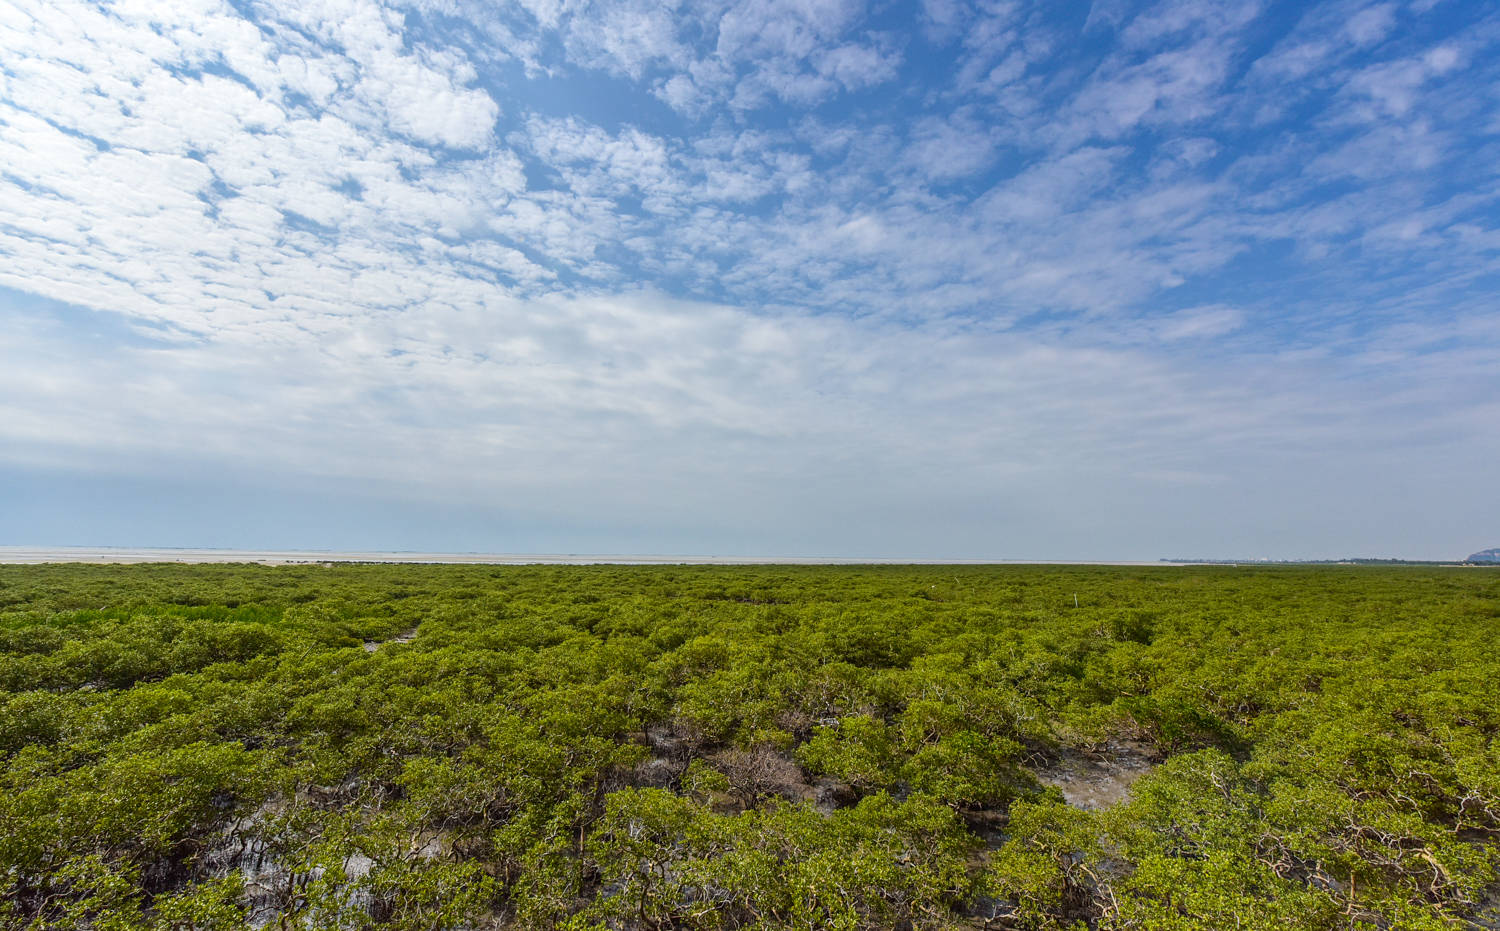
[[769, 747]]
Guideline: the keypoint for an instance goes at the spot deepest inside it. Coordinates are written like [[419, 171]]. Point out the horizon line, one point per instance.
[[35, 555]]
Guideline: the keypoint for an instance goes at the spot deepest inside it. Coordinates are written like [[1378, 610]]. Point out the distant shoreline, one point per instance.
[[36, 555], [123, 555]]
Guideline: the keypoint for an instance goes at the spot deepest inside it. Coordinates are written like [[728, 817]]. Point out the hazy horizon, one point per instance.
[[1120, 281], [11, 554]]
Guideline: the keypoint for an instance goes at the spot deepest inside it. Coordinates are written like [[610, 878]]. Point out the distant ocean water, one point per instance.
[[107, 554]]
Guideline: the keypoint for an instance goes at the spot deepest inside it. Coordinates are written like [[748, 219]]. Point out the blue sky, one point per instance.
[[785, 278]]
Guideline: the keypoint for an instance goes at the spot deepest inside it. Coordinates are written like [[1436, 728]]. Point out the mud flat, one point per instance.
[[406, 636], [1098, 780]]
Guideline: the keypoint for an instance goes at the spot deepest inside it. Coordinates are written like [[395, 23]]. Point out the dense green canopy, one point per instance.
[[734, 747]]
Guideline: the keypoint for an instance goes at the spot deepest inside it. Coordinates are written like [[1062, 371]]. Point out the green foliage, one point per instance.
[[1050, 866], [859, 749], [433, 747]]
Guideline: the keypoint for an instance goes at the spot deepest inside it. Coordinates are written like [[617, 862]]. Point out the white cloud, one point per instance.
[[549, 389], [858, 66], [1200, 323], [753, 53], [630, 38], [1176, 86], [952, 147], [1393, 87], [1371, 24]]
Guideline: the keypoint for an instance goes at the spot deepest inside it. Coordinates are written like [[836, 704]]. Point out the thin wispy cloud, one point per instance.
[[768, 276]]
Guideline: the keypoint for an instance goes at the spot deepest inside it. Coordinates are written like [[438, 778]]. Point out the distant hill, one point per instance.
[[1489, 555]]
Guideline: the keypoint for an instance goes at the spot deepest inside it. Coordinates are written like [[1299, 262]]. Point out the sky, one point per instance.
[[776, 277]]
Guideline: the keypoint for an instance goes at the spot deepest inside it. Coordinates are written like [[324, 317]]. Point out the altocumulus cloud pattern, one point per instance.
[[995, 279]]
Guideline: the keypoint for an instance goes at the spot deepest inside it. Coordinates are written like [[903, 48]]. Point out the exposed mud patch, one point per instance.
[[1102, 778], [241, 849], [989, 825], [762, 772], [829, 795], [658, 772], [270, 885], [406, 636], [1487, 909]]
